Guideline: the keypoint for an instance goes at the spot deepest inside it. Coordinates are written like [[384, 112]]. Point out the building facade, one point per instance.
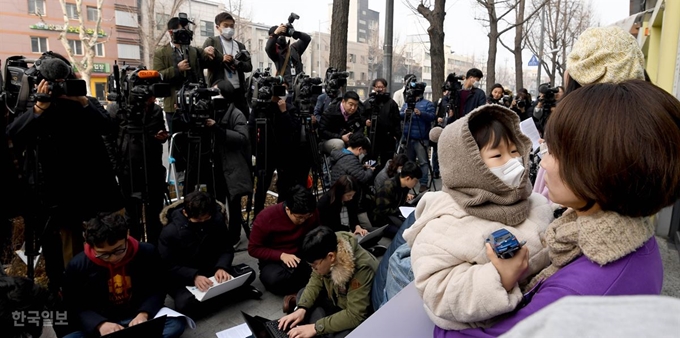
[[363, 22]]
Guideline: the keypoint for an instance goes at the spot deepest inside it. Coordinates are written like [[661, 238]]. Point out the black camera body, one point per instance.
[[132, 88], [506, 100], [183, 35], [335, 80], [548, 101], [453, 83], [290, 29], [412, 91], [306, 90], [264, 87], [521, 103], [196, 104]]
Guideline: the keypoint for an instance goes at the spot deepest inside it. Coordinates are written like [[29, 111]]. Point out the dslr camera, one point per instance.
[[506, 100], [453, 83], [183, 35], [290, 29], [196, 104], [264, 87], [335, 80], [132, 88], [306, 90], [412, 91]]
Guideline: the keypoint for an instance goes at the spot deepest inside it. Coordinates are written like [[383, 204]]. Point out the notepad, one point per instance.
[[219, 288], [528, 128]]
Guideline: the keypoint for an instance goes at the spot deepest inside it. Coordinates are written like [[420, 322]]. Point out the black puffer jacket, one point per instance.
[[344, 162]]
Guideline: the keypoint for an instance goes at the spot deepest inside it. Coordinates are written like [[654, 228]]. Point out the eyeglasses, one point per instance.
[[301, 217], [543, 149], [116, 253]]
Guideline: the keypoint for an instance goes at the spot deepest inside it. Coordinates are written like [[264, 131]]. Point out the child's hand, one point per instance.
[[512, 269]]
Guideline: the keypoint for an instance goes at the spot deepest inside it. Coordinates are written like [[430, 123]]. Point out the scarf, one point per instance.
[[603, 237], [470, 182], [119, 282]]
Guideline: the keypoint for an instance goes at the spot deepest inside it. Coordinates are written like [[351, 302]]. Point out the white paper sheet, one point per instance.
[[528, 128], [239, 331], [166, 311], [406, 211]]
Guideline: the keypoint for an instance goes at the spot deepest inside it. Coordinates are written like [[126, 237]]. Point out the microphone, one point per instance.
[[54, 69]]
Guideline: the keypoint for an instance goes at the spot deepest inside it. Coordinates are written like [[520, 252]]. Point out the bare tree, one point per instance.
[[153, 24], [499, 25], [518, 43], [88, 38], [375, 51], [565, 21], [434, 12], [339, 22], [242, 15]]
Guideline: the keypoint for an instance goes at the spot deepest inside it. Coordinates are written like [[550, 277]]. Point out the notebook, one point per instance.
[[219, 288]]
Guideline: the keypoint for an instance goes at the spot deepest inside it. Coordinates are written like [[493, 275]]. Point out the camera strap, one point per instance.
[[285, 63]]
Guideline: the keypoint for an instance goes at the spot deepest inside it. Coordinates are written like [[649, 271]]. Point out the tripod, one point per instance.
[[139, 194], [261, 168], [403, 146], [317, 170]]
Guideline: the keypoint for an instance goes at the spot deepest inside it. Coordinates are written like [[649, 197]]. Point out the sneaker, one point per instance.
[[254, 293], [423, 188], [289, 303]]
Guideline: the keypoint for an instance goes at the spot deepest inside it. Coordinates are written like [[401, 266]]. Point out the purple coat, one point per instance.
[[638, 273]]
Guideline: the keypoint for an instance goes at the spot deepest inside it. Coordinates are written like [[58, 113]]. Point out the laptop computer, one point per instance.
[[263, 327], [151, 329], [219, 288], [375, 234]]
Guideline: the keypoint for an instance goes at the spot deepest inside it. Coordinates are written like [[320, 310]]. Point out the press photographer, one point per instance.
[[275, 136], [418, 114], [229, 60], [545, 106], [498, 96], [140, 130], [287, 56], [382, 118], [69, 177], [466, 96], [522, 104]]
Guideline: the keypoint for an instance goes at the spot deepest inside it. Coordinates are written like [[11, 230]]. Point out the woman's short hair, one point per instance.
[[343, 185], [618, 145]]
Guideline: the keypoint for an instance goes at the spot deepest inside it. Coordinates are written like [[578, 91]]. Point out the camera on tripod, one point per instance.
[[548, 100], [413, 91], [453, 83], [21, 80], [306, 90], [290, 29], [183, 35], [335, 80], [265, 87], [132, 88], [196, 104]]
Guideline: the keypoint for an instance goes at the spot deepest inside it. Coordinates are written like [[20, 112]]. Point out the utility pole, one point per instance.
[[387, 46], [540, 51]]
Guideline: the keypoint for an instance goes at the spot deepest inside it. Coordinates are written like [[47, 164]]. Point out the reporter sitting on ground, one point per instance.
[[337, 297], [275, 241], [392, 168], [338, 207], [195, 246], [347, 161], [21, 295], [116, 282], [393, 195], [339, 121]]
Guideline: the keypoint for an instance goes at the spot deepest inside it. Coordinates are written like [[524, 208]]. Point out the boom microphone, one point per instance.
[[54, 69]]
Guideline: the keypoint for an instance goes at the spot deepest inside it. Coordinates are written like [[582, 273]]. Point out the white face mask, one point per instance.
[[510, 173], [228, 33]]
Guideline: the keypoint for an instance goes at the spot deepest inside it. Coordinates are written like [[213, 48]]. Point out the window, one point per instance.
[[363, 60], [100, 91], [72, 11], [99, 49], [269, 65], [128, 51], [248, 48], [162, 21], [361, 40], [126, 19], [261, 65], [351, 75], [207, 28], [38, 45], [362, 22], [363, 76], [76, 46], [362, 30], [36, 7], [92, 13], [363, 12], [427, 69], [352, 58], [260, 44]]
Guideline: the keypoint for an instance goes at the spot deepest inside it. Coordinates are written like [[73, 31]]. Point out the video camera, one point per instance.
[[21, 80], [548, 100], [335, 80], [412, 91], [453, 83], [196, 104], [306, 89], [131, 88], [183, 35], [291, 30], [264, 87]]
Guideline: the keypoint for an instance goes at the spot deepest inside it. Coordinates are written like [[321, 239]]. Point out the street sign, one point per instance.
[[533, 61]]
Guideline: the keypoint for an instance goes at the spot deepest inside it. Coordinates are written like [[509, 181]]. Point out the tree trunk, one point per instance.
[[340, 19], [148, 29], [435, 18], [519, 30], [491, 62]]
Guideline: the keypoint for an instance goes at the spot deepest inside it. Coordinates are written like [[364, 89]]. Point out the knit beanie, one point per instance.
[[605, 55], [470, 182]]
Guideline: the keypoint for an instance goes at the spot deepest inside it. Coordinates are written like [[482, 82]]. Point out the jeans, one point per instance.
[[417, 149], [174, 327], [322, 307]]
